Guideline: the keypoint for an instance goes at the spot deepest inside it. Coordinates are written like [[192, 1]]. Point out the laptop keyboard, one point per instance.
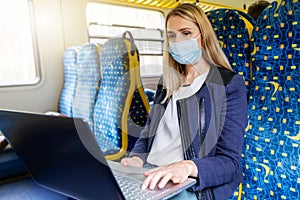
[[132, 190]]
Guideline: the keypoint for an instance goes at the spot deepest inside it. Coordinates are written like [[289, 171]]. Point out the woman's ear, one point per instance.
[[200, 42]]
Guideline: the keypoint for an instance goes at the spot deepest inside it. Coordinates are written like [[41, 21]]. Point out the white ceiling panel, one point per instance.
[[233, 3]]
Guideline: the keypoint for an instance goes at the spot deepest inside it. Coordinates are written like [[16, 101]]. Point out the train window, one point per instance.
[[18, 64], [145, 25]]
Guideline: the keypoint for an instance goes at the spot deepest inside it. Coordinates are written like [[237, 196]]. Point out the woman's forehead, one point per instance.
[[177, 23]]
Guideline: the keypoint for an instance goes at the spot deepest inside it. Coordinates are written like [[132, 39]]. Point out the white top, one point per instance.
[[166, 146]]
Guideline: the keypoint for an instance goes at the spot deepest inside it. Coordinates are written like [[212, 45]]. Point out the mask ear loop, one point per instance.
[[199, 43]]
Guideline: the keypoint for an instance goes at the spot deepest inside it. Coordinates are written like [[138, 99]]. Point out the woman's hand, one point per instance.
[[133, 161], [177, 173]]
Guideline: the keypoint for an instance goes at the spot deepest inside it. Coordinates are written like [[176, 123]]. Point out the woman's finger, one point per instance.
[[124, 162], [156, 178], [147, 181], [165, 180]]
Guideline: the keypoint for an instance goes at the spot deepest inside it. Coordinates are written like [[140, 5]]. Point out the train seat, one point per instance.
[[150, 93], [122, 107], [271, 151], [70, 79], [88, 80], [10, 164], [233, 31]]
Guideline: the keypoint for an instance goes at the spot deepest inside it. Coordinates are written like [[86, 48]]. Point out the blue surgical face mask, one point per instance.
[[186, 52]]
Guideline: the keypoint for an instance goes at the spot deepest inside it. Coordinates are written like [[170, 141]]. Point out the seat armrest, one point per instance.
[[3, 143]]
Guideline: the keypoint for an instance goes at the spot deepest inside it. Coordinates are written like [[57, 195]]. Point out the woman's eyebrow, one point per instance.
[[170, 32], [180, 30], [185, 29]]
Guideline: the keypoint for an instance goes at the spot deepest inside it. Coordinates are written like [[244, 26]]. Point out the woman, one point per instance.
[[196, 125]]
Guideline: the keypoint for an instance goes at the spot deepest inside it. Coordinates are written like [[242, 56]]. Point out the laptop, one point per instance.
[[62, 154]]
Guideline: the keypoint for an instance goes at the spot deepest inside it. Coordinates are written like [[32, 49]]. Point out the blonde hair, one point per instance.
[[212, 52]]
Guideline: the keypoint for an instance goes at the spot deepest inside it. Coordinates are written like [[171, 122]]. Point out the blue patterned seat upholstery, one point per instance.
[[121, 108], [88, 81], [271, 156], [233, 30], [70, 79]]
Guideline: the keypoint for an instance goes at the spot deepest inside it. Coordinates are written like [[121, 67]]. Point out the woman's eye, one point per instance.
[[171, 36], [186, 33]]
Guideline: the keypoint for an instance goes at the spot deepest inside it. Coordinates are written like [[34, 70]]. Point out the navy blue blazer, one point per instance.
[[214, 121]]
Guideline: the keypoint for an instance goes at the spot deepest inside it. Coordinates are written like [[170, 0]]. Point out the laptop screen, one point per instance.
[[62, 154], [58, 159]]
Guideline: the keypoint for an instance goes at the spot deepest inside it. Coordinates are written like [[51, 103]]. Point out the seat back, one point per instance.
[[271, 153], [121, 108], [70, 80], [233, 31], [88, 81]]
